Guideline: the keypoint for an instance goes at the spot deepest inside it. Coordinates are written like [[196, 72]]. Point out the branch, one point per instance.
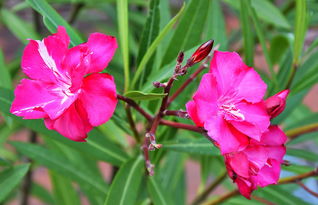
[[178, 113], [132, 123], [307, 189], [223, 198], [294, 133], [182, 126]]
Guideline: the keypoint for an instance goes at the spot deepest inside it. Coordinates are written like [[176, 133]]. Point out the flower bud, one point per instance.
[[201, 53], [180, 57], [276, 103]]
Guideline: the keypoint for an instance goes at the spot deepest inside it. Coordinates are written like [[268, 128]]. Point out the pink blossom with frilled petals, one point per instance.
[[258, 165], [65, 86], [229, 103]]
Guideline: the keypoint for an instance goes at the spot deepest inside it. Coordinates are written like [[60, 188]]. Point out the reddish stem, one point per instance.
[[307, 189]]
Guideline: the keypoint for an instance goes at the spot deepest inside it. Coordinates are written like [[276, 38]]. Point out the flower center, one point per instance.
[[232, 111]]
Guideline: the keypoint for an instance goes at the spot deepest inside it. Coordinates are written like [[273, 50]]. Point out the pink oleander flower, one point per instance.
[[258, 165], [65, 86], [229, 103], [276, 103]]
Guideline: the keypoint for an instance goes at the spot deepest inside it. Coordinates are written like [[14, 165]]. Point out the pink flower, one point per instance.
[[65, 86], [228, 103], [276, 103], [259, 163]]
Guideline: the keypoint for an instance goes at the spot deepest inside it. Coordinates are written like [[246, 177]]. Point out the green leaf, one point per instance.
[[270, 13], [138, 95], [10, 178], [304, 154], [20, 28], [262, 40], [123, 30], [52, 19], [61, 165], [189, 30], [193, 146], [97, 145], [278, 195], [156, 191], [64, 192], [279, 45], [154, 45], [248, 38], [300, 29], [151, 29], [5, 79], [125, 187], [41, 193], [216, 25]]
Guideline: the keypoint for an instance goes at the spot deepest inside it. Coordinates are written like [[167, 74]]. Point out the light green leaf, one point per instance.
[[138, 95], [20, 28], [300, 29], [123, 29], [279, 45], [41, 193], [270, 13], [154, 45], [10, 178], [52, 19], [304, 154], [125, 187], [61, 165], [193, 146]]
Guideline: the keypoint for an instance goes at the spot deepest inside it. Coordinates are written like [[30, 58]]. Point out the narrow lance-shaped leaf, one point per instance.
[[158, 195], [154, 46], [122, 15], [125, 187], [138, 95], [20, 28], [61, 165], [189, 30], [10, 178], [53, 19]]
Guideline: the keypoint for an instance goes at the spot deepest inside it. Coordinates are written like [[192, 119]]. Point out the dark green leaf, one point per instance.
[[138, 95], [304, 154], [248, 38], [41, 193], [156, 191], [124, 189], [279, 45], [300, 29], [10, 178]]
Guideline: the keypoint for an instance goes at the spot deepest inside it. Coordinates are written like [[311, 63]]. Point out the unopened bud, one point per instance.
[[157, 84], [180, 57], [201, 53], [276, 103]]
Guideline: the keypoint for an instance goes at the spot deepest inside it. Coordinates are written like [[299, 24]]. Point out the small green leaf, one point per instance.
[[193, 146], [61, 165], [138, 95], [10, 178], [52, 19], [125, 187], [20, 28], [154, 45]]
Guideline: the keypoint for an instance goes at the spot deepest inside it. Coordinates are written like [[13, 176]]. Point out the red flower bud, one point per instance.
[[276, 103], [200, 54]]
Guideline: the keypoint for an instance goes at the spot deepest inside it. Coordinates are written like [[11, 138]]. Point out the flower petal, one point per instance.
[[102, 48], [240, 164], [245, 187], [73, 123], [41, 60], [192, 111], [36, 99], [256, 120], [268, 174], [99, 97], [228, 138], [274, 136]]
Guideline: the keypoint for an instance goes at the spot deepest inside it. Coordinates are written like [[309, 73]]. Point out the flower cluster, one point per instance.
[[229, 105], [65, 86]]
